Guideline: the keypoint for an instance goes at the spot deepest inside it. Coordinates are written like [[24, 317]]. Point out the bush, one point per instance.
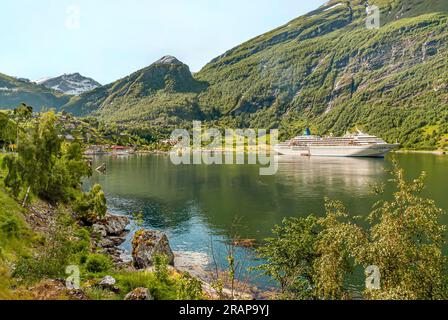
[[98, 263], [91, 206], [11, 227], [189, 288], [160, 290], [50, 263], [161, 267]]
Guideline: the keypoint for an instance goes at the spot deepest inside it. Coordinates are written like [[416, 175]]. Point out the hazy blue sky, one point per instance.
[[112, 38]]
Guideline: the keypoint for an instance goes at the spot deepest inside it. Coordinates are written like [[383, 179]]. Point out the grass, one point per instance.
[[68, 245], [161, 289], [15, 237]]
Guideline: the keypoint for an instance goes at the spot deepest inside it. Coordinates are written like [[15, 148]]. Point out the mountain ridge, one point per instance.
[[320, 69], [70, 84], [162, 94], [14, 91], [325, 70]]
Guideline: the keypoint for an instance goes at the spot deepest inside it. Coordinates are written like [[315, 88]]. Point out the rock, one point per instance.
[[107, 282], [114, 225], [111, 242], [109, 233], [146, 244], [100, 229], [53, 290], [139, 294]]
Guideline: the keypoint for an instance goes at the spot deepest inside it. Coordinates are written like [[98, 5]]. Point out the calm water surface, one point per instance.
[[198, 205]]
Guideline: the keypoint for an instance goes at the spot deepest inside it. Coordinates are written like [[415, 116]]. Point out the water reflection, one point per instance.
[[194, 204], [320, 175]]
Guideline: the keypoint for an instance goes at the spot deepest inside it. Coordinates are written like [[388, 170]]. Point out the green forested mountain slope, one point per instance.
[[14, 91], [156, 98], [325, 70]]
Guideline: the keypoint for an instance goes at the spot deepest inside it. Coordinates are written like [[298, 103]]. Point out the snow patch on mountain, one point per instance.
[[71, 84], [168, 60]]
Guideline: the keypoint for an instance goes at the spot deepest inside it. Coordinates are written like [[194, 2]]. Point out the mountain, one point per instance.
[[71, 84], [161, 95], [14, 91], [329, 71], [325, 70]]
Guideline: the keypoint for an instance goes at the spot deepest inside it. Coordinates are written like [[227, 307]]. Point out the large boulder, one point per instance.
[[107, 282], [146, 244], [139, 294]]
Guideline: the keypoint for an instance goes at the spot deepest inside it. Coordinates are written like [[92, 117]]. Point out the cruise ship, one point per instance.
[[350, 145]]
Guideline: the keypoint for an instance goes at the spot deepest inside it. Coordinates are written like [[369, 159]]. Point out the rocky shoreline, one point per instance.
[[111, 232], [108, 235]]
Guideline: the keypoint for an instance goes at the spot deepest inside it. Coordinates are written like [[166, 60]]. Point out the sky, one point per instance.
[[109, 39]]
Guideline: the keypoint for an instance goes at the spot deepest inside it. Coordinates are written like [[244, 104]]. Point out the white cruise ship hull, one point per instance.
[[370, 151]]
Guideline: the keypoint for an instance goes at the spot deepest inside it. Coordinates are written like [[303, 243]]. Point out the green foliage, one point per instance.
[[14, 233], [52, 170], [49, 262], [315, 258], [11, 226], [161, 262], [13, 178], [189, 288], [99, 294], [290, 256], [161, 290], [8, 130], [92, 205], [406, 242], [23, 113], [98, 263], [336, 242], [161, 284]]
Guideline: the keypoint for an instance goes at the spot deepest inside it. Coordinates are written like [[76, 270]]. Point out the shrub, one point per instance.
[[189, 288], [161, 267], [11, 227], [91, 206], [50, 262], [98, 263], [128, 281]]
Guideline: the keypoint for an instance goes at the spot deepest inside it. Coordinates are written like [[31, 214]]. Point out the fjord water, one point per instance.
[[197, 203]]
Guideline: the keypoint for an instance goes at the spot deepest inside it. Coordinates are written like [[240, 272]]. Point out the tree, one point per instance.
[[22, 114], [44, 166], [338, 237], [7, 130], [406, 241], [290, 257]]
